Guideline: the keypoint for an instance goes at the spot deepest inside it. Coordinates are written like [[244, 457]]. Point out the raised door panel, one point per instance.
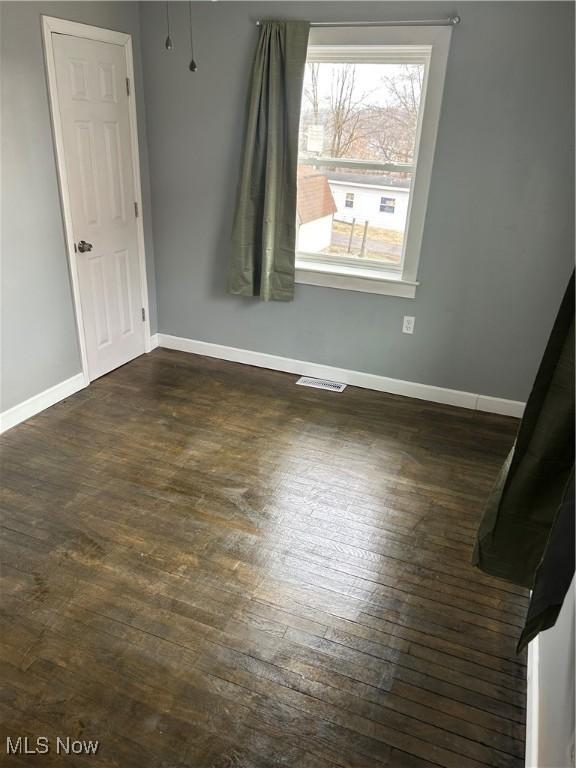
[[78, 69], [107, 82], [123, 293], [85, 146], [97, 299], [114, 172]]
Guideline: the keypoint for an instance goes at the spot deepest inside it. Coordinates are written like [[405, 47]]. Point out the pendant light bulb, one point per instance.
[[168, 44], [193, 67]]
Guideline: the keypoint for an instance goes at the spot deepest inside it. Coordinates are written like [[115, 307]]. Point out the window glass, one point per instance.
[[340, 213], [387, 204], [361, 111], [358, 138]]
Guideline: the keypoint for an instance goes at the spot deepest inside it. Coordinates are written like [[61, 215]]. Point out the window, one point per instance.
[[387, 204], [370, 109]]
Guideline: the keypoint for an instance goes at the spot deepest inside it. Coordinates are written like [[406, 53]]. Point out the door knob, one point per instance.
[[84, 247]]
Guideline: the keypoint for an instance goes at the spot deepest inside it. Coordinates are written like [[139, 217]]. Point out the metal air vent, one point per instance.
[[333, 386]]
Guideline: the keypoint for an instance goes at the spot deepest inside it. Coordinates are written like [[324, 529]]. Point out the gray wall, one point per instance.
[[39, 338], [498, 240]]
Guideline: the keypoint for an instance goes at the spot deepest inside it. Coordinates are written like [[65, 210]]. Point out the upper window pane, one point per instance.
[[361, 111]]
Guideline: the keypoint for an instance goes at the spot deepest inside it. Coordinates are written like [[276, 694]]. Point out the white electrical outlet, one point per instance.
[[408, 324]]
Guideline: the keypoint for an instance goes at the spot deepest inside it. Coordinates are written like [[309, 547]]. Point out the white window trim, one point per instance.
[[326, 43], [350, 278]]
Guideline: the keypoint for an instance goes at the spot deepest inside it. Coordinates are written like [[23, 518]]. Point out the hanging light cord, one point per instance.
[[193, 66], [168, 43]]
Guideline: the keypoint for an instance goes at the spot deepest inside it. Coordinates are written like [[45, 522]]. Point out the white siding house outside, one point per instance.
[[368, 202], [316, 235], [315, 210]]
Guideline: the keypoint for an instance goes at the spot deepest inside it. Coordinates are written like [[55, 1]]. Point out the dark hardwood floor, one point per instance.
[[204, 565]]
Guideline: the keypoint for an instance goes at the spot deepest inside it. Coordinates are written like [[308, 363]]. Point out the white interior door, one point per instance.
[[91, 81]]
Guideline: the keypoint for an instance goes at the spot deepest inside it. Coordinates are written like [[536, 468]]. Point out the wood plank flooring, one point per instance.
[[204, 565]]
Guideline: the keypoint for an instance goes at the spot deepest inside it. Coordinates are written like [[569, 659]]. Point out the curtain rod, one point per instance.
[[449, 22]]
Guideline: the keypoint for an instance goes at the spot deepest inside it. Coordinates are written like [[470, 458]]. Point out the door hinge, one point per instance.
[[136, 209], [128, 86], [143, 314]]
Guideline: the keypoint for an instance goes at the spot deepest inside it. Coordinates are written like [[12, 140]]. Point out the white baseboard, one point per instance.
[[41, 401], [55, 394], [501, 406], [353, 378], [153, 341]]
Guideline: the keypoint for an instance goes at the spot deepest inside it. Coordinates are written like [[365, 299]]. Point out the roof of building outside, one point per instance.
[[315, 198]]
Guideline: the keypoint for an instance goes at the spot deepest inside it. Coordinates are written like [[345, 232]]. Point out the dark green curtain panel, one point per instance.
[[264, 233], [534, 482], [555, 572]]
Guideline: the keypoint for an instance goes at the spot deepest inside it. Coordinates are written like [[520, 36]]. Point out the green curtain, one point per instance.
[[555, 572], [264, 232], [533, 483]]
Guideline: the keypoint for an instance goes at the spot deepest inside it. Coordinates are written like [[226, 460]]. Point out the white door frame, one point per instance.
[[52, 25]]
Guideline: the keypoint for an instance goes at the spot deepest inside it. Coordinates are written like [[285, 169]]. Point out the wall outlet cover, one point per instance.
[[408, 324]]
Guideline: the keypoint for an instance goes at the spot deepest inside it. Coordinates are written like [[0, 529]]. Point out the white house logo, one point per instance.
[[43, 745]]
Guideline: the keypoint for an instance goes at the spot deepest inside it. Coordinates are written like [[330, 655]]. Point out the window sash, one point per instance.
[[429, 45], [339, 260], [358, 165], [380, 54], [358, 262]]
